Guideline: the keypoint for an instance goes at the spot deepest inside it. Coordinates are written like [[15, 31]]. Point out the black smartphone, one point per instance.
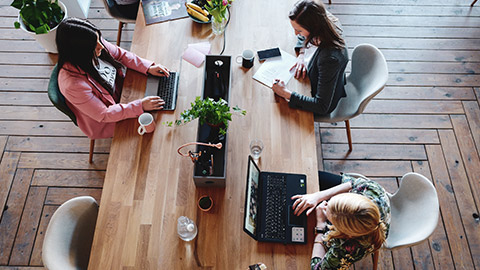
[[254, 267], [264, 54]]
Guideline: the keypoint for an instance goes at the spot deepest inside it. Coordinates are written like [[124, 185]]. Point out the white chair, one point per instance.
[[368, 77], [77, 8], [414, 213], [69, 235]]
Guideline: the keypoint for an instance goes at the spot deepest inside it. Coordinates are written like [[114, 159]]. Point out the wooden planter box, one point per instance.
[[216, 85]]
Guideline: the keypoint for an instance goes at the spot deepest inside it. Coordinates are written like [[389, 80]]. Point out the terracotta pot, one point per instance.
[[205, 203]]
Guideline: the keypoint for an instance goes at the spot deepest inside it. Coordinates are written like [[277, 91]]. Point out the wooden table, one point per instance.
[[148, 185]]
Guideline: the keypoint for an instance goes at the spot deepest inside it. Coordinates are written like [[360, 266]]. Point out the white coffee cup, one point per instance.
[[146, 122]]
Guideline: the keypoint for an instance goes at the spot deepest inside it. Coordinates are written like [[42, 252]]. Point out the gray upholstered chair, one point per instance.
[[58, 100], [69, 235], [368, 77]]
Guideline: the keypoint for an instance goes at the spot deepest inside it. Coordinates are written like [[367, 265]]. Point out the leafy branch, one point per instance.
[[215, 113]]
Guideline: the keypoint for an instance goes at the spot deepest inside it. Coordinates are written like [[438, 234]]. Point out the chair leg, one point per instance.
[[473, 3], [349, 135], [90, 154], [330, 2], [375, 259], [119, 34]]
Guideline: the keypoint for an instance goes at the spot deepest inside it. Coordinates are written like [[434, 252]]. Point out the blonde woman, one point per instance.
[[353, 216]]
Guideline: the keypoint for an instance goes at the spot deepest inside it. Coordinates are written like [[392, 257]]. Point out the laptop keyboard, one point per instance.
[[276, 199], [167, 90]]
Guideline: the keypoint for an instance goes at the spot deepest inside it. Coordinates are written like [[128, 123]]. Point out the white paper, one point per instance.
[[195, 53], [193, 56], [276, 68]]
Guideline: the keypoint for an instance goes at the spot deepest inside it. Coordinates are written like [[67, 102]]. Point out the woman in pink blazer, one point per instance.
[[91, 73]]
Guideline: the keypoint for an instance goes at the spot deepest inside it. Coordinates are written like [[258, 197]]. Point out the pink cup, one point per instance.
[[146, 122]]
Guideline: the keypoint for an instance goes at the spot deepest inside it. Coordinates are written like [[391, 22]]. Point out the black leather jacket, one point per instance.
[[326, 71]]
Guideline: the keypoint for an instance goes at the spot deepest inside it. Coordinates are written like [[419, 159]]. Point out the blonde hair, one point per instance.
[[355, 216]]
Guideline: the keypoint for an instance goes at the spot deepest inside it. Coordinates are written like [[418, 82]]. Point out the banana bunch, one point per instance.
[[197, 12]]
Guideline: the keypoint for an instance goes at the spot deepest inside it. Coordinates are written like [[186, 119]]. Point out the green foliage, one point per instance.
[[208, 111], [218, 8], [39, 16]]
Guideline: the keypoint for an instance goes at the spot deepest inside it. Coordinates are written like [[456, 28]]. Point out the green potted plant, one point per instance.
[[40, 18], [214, 113]]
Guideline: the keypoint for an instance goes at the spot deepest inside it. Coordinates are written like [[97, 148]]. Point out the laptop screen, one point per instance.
[[252, 198]]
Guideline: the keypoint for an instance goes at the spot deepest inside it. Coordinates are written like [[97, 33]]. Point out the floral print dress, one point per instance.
[[342, 253]]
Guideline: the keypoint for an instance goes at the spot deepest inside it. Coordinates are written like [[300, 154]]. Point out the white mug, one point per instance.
[[146, 122]]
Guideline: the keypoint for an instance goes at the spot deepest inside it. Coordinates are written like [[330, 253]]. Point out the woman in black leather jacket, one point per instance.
[[326, 69]]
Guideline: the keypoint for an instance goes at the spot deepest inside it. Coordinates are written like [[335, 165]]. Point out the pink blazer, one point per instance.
[[94, 107]]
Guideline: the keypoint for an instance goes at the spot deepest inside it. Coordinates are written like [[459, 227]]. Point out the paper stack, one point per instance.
[[195, 53]]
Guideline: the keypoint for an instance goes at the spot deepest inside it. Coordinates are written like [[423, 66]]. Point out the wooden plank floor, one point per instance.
[[426, 120]]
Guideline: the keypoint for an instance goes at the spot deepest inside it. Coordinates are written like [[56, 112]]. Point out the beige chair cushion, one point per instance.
[[415, 211], [69, 235], [368, 77]]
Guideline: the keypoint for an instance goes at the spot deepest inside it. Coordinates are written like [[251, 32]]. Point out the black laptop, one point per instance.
[[268, 206], [164, 87]]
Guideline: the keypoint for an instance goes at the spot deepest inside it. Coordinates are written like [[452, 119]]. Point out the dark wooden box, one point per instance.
[[217, 78]]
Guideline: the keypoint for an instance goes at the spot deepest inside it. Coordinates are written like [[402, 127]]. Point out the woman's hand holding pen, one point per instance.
[[158, 70], [300, 68], [280, 89]]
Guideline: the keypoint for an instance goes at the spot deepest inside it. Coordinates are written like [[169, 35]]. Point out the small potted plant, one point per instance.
[[40, 18], [214, 113]]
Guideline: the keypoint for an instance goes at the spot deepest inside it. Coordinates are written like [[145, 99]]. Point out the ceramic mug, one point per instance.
[[146, 122], [248, 56]]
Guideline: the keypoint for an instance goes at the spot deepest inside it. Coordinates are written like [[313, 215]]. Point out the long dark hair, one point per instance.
[[76, 41], [312, 16]]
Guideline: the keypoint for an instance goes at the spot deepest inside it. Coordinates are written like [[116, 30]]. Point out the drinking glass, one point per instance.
[[256, 147]]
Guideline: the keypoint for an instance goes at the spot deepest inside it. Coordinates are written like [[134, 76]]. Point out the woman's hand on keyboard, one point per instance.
[[152, 103], [158, 70], [307, 201]]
